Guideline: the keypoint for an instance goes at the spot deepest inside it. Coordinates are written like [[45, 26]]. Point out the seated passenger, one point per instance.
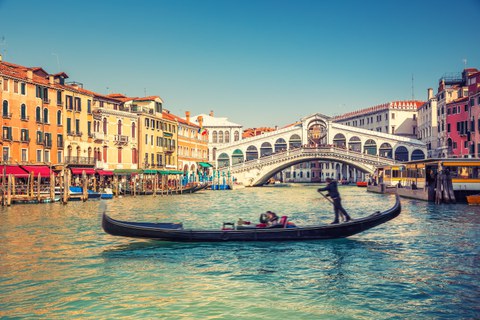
[[268, 219]]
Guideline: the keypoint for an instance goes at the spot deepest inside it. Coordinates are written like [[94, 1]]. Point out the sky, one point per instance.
[[259, 63]]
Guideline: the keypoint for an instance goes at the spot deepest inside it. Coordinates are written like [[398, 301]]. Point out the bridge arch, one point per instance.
[[401, 154], [280, 145], [370, 147], [252, 153], [294, 142], [266, 149], [418, 154], [339, 140], [223, 160], [237, 157], [355, 144], [386, 150]]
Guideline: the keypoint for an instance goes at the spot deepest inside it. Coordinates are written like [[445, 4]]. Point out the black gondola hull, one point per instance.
[[175, 232]]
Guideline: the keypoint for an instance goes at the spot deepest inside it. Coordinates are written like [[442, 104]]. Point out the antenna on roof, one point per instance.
[[145, 91], [4, 44], [413, 90], [58, 60]]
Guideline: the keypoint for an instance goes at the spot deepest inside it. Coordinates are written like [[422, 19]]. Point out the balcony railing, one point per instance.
[[79, 160], [120, 139], [98, 136]]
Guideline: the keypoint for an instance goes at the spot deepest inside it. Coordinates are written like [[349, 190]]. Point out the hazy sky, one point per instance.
[[259, 63]]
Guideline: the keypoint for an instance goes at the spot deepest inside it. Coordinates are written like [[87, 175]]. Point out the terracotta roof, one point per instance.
[[181, 120]]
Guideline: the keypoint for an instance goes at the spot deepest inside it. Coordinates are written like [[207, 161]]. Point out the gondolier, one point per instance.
[[333, 193]]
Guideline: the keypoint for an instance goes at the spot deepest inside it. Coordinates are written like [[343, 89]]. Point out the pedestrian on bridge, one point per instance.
[[333, 193]]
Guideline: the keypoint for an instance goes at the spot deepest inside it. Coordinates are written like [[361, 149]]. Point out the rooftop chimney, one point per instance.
[[29, 74], [211, 113], [430, 93], [51, 79], [200, 121], [187, 116], [1, 59]]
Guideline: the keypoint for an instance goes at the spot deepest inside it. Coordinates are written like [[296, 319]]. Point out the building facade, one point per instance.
[[220, 131], [428, 125]]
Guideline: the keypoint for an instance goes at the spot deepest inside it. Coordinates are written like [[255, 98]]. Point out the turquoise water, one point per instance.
[[57, 263]]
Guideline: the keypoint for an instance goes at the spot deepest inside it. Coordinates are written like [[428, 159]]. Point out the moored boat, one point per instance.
[[362, 184], [176, 232], [474, 199]]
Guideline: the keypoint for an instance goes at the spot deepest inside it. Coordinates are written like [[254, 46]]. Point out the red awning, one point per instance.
[[105, 172], [79, 171], [16, 171], [44, 171]]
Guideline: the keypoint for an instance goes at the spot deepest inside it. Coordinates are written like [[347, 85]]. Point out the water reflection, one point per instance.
[[56, 261]]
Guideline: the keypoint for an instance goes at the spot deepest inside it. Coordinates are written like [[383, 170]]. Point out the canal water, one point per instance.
[[57, 263]]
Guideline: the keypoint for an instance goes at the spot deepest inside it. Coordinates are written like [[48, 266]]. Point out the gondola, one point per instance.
[[176, 232]]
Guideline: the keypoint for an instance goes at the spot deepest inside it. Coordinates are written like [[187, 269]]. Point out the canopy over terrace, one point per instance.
[[16, 171], [79, 171], [43, 171]]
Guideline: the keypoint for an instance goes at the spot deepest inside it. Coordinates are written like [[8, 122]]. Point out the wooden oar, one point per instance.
[[326, 197]]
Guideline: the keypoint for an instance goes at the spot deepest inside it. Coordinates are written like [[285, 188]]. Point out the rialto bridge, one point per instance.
[[252, 161]]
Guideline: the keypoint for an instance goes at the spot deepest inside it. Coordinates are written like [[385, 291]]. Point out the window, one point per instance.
[[7, 133], [89, 128], [69, 100], [119, 127], [5, 109], [23, 112], [393, 115], [134, 156], [227, 136], [15, 86], [6, 154], [60, 141], [69, 126], [46, 156], [77, 126], [214, 137], [24, 135], [45, 116], [104, 125], [236, 136], [78, 104], [59, 98], [24, 155], [59, 118], [39, 156], [119, 155], [89, 106], [5, 84], [59, 157], [38, 115], [133, 130], [39, 137]]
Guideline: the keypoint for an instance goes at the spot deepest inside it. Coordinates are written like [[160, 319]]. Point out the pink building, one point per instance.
[[457, 121], [474, 105]]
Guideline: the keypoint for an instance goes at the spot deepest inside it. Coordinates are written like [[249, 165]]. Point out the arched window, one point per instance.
[[23, 111], [119, 128], [104, 125], [45, 115], [236, 136], [38, 114], [5, 108], [134, 156], [220, 137], [59, 118], [214, 137], [227, 136]]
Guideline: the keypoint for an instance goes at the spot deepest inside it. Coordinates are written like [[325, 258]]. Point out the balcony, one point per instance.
[[7, 115], [99, 136], [120, 139], [79, 160]]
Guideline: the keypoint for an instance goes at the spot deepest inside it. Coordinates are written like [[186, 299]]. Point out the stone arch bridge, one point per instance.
[[254, 160]]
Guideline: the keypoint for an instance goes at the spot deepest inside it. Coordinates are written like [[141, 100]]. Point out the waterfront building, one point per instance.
[[169, 141], [78, 126], [151, 126], [396, 117], [220, 131], [192, 146], [32, 114], [451, 87], [473, 83], [115, 134], [427, 124], [457, 122]]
